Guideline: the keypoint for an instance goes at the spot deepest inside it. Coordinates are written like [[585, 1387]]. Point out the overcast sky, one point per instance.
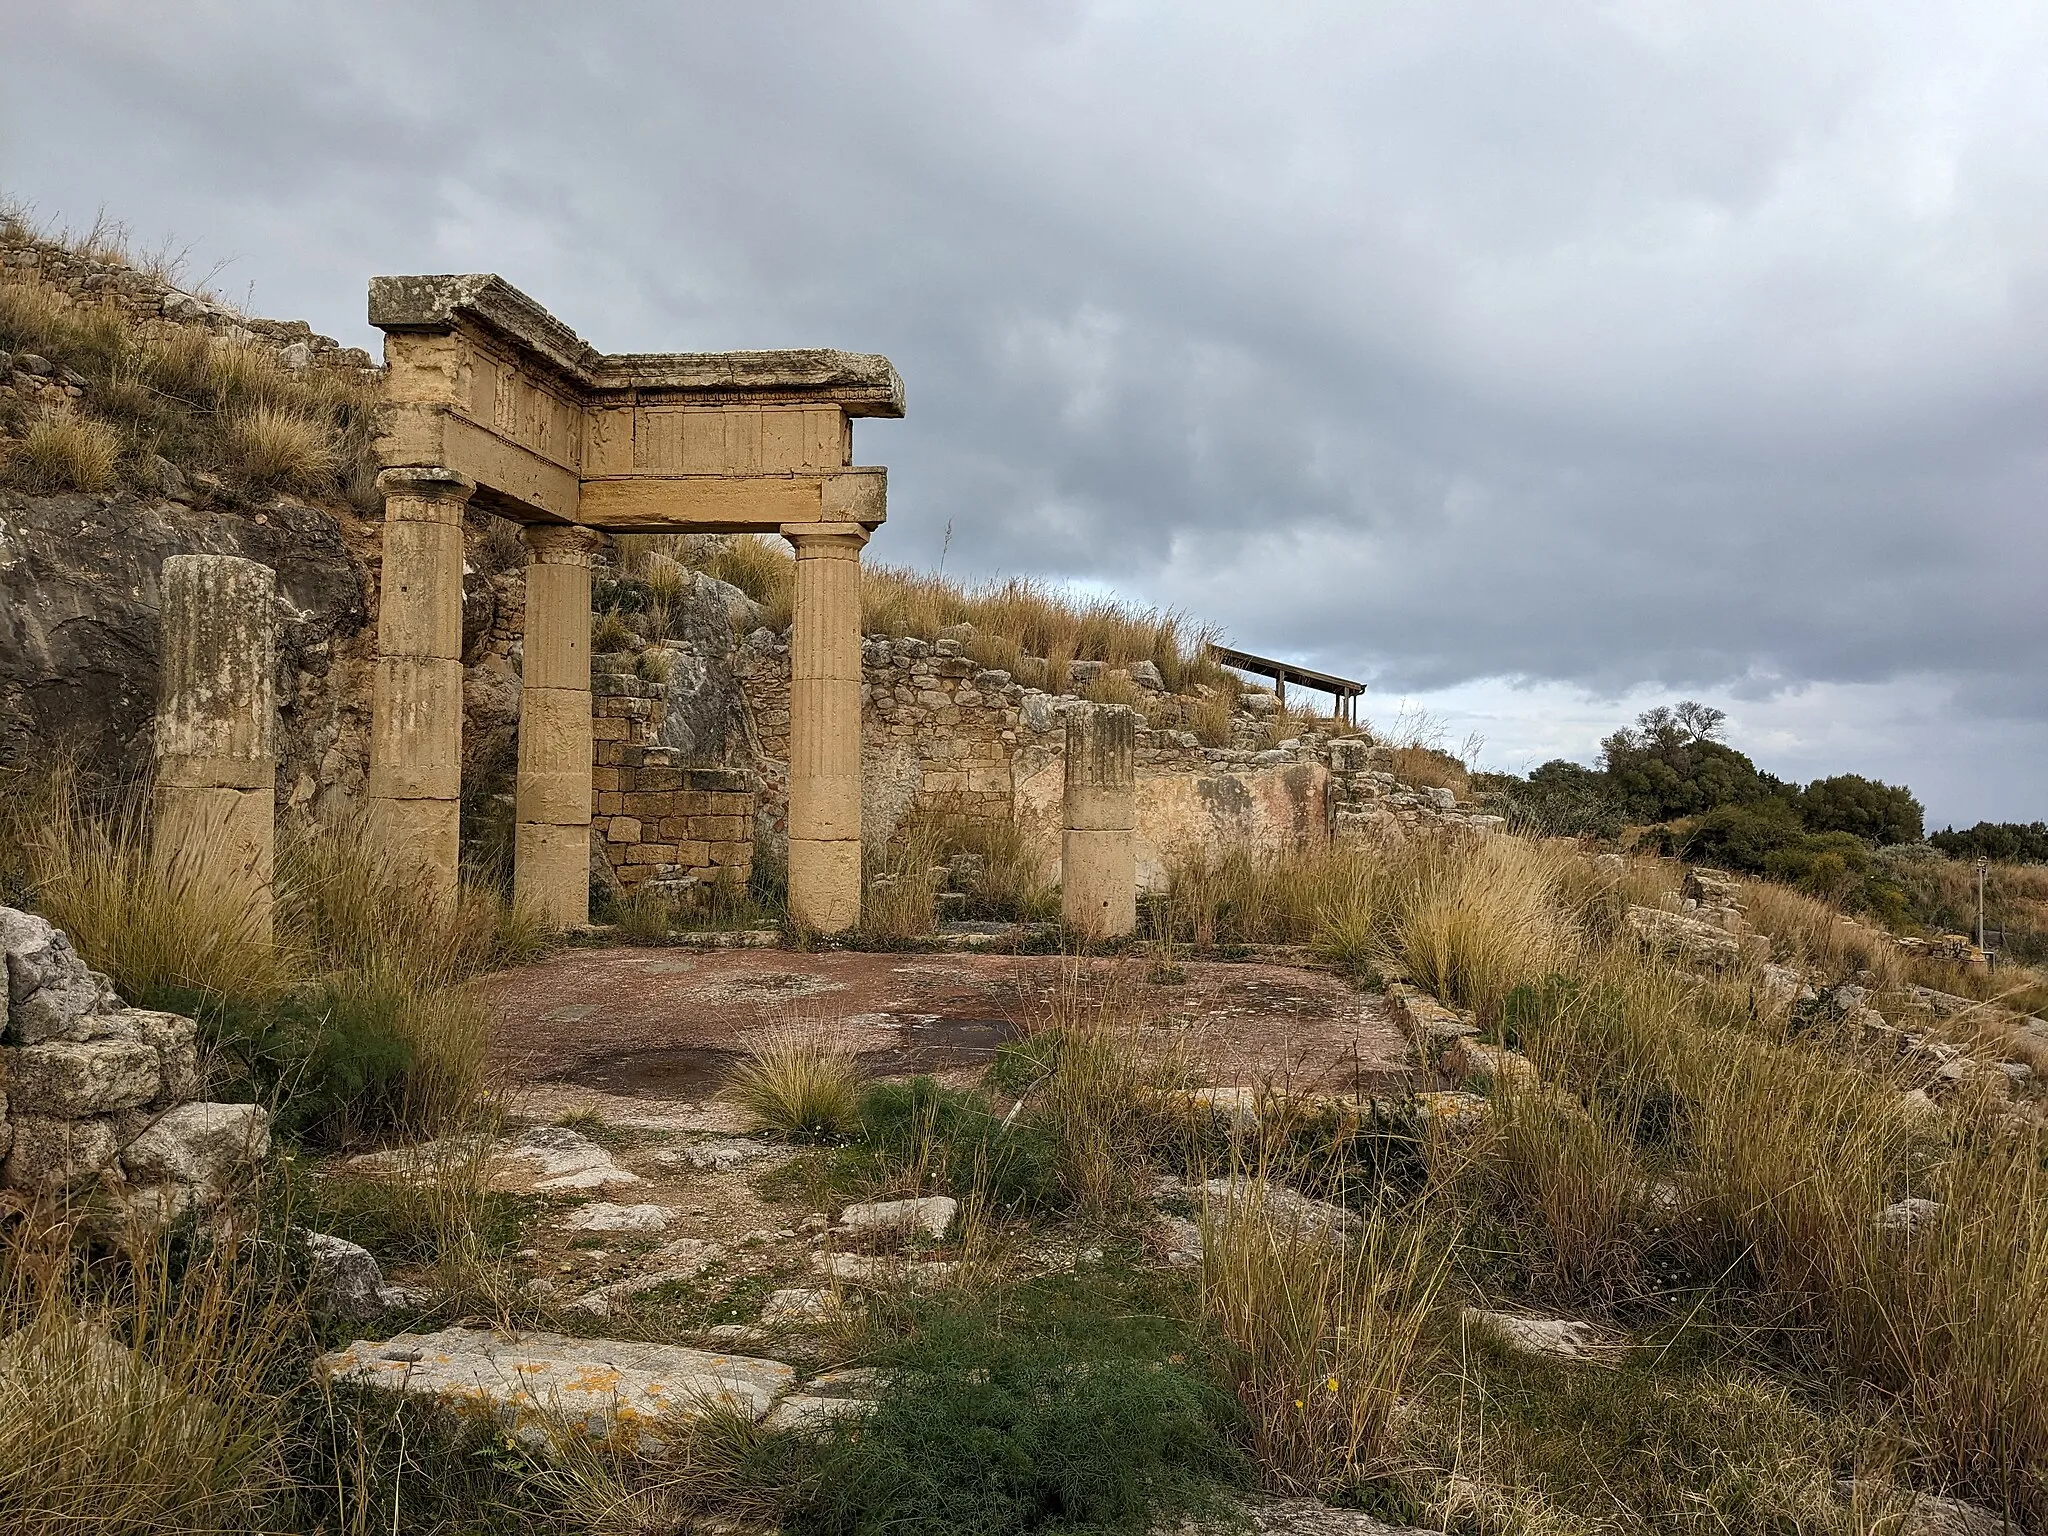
[[1534, 363]]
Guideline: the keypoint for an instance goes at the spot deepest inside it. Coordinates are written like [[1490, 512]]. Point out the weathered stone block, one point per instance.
[[69, 1079], [51, 1154], [622, 829], [206, 1146]]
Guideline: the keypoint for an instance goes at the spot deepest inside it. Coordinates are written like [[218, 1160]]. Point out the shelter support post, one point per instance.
[[416, 694], [1098, 863], [824, 726], [551, 847]]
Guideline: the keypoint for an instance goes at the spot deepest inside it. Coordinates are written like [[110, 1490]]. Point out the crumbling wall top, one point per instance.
[[862, 384]]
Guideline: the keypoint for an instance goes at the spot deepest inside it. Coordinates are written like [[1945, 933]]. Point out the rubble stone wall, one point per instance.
[[98, 1099]]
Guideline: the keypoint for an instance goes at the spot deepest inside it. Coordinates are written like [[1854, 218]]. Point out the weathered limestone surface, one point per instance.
[[825, 728], [552, 859], [542, 1384], [94, 1095], [416, 705], [216, 731], [1099, 878]]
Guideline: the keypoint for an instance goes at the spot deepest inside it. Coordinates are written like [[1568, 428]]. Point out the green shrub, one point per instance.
[[1071, 1406], [955, 1141]]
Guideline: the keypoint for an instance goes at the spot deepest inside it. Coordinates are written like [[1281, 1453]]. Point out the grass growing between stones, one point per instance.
[[353, 1020]]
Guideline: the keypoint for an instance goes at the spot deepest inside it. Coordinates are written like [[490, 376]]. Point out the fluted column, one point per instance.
[[1098, 865], [216, 733], [551, 851], [824, 726], [416, 696]]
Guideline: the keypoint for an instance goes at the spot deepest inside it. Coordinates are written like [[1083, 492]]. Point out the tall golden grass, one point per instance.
[[344, 922], [1321, 1334], [1682, 1109], [143, 1393]]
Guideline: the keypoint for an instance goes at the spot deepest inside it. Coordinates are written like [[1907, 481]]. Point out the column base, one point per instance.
[[551, 871], [1099, 882], [824, 884]]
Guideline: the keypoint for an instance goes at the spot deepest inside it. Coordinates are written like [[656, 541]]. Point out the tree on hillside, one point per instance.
[[1564, 799], [1875, 812], [2008, 842], [1672, 764]]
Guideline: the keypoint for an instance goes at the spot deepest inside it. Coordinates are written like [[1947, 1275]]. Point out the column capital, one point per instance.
[[428, 483], [560, 543], [841, 541]]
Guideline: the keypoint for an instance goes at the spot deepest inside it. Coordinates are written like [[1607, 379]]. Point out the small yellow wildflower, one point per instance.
[[1333, 1383]]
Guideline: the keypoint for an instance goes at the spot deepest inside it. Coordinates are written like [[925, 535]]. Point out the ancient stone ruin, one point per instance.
[[100, 1098], [495, 400]]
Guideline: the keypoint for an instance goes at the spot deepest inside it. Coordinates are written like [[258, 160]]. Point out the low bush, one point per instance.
[[1070, 1404], [922, 1137]]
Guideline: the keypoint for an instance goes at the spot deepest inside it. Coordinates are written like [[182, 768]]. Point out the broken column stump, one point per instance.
[[1098, 864], [216, 733]]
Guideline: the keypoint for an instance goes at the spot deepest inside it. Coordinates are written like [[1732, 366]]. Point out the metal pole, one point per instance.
[[1981, 864]]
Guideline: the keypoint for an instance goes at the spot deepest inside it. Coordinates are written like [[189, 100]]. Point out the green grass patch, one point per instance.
[[944, 1138]]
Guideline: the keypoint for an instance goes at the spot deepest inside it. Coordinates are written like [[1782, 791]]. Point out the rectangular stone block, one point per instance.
[[554, 757], [551, 872], [609, 754], [824, 883], [420, 841], [718, 829], [71, 1080], [416, 728], [622, 829], [51, 1154], [609, 729], [646, 804], [610, 802], [557, 651], [661, 780]]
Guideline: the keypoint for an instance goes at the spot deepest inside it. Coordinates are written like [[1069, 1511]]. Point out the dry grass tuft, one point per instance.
[[1321, 1336], [61, 452], [799, 1085], [281, 448]]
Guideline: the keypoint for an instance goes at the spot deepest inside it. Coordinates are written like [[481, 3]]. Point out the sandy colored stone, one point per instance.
[[540, 1385]]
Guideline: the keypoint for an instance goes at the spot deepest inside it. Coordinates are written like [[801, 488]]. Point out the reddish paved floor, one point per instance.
[[667, 1023]]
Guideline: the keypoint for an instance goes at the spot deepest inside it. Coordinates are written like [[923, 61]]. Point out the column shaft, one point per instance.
[[551, 850], [416, 693], [824, 727], [216, 734], [1098, 864]]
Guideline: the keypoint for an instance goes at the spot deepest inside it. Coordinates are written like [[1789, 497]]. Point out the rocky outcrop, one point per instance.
[[97, 1097], [79, 599]]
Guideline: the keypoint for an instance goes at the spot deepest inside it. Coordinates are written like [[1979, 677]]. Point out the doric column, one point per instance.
[[824, 726], [551, 854], [1098, 867], [216, 732], [416, 696]]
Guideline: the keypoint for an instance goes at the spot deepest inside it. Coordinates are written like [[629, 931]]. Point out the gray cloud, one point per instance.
[[1603, 349]]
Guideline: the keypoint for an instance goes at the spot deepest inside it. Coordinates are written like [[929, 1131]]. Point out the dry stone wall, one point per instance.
[[100, 1099]]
